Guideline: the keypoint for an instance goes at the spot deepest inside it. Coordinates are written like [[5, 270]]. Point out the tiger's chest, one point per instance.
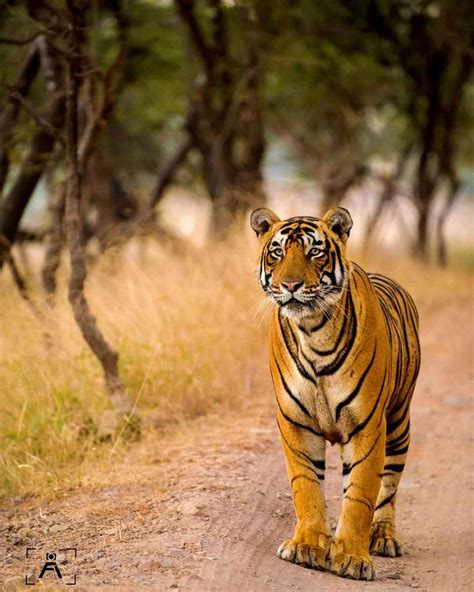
[[325, 376], [321, 398], [337, 400]]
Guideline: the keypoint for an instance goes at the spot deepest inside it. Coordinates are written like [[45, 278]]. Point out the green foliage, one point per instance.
[[342, 81]]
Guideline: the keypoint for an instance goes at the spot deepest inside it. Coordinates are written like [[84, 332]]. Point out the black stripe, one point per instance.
[[339, 260], [320, 464], [290, 394], [304, 477], [344, 352], [348, 468], [396, 295], [396, 452], [342, 331], [385, 501], [305, 331], [355, 392], [301, 369], [320, 325], [395, 467], [298, 453], [356, 499], [398, 440], [393, 426], [299, 350], [362, 425], [296, 423]]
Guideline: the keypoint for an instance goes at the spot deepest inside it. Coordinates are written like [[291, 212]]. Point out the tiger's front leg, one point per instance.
[[305, 460], [363, 459]]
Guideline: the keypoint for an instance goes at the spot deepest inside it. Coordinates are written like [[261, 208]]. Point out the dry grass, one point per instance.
[[186, 325]]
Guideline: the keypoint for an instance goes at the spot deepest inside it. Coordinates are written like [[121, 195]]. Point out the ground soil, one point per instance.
[[208, 511]]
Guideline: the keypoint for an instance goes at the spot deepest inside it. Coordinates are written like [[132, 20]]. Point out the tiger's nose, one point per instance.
[[291, 286]]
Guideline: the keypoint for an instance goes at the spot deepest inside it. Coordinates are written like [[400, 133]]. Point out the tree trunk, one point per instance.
[[11, 108], [225, 121], [420, 247], [85, 320], [54, 243], [42, 145], [441, 247]]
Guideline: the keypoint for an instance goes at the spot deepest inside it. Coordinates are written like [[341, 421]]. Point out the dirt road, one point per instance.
[[208, 512]]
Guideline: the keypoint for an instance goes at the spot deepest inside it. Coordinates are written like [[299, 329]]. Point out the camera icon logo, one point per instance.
[[53, 566]]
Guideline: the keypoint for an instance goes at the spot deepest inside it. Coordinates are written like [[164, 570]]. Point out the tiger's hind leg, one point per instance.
[[383, 534]]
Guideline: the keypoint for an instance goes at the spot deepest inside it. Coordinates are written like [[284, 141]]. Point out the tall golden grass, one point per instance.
[[190, 329]]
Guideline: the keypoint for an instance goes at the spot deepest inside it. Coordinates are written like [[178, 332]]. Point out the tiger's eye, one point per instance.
[[277, 252], [316, 253]]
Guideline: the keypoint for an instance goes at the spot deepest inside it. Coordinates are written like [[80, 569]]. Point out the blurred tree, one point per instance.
[[78, 110], [342, 84], [43, 141], [147, 130], [224, 118], [76, 156], [323, 91], [349, 81], [430, 47]]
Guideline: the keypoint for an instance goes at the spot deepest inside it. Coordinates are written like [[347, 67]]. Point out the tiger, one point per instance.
[[344, 359]]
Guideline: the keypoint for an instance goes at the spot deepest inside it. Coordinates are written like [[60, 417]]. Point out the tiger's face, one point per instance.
[[303, 266]]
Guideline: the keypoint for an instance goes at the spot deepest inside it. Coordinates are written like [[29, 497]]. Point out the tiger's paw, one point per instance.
[[383, 540], [355, 567], [304, 554]]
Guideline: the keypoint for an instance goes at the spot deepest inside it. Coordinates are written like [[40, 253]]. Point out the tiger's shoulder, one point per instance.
[[392, 295]]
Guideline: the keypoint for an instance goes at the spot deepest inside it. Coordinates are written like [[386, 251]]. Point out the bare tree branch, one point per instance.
[[186, 11], [169, 169], [96, 111], [41, 121], [101, 113], [9, 41]]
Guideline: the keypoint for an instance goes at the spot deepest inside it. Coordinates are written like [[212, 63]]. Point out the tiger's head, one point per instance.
[[303, 265]]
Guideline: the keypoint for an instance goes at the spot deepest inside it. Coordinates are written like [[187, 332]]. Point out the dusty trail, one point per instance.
[[208, 513]]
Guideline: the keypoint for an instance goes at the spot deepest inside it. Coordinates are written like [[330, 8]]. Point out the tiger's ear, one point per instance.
[[339, 221], [262, 219]]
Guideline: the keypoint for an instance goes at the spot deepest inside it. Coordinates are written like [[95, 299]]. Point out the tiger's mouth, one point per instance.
[[298, 306], [295, 308], [294, 302]]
